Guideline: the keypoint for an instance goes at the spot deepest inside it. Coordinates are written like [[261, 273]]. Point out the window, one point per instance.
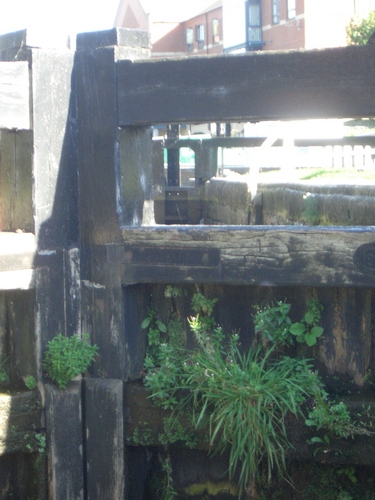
[[254, 25], [215, 31], [291, 8], [199, 29], [275, 11], [189, 34]]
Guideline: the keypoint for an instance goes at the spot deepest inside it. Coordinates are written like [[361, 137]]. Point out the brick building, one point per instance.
[[211, 27], [194, 29]]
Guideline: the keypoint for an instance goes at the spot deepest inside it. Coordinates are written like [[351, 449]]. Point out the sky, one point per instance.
[[65, 16], [78, 16]]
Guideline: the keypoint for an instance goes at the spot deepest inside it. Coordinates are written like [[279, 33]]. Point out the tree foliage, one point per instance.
[[359, 30]]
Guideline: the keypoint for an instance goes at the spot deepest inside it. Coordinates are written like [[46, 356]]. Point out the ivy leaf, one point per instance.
[[309, 317], [310, 339], [297, 329], [317, 331], [161, 326], [145, 323]]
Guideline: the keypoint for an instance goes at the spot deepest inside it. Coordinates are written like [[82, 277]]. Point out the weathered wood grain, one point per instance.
[[329, 83], [359, 450], [65, 441], [266, 255], [14, 95], [104, 439]]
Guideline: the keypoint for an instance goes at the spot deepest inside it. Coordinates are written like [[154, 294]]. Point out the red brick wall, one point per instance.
[[175, 40], [288, 33]]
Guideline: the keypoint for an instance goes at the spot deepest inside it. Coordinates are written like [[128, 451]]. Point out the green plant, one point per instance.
[[246, 398], [142, 434], [36, 441], [42, 442], [168, 491], [3, 374], [349, 472], [359, 29], [67, 357], [243, 398], [308, 330], [272, 323], [334, 417], [227, 389], [30, 382], [310, 212]]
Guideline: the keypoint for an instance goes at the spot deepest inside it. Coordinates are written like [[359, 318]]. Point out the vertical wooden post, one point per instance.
[[65, 441], [104, 439], [173, 157]]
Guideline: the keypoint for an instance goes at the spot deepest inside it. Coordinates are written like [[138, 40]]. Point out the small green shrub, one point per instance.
[[308, 330], [310, 213], [359, 29], [30, 382], [67, 357], [272, 323], [3, 374], [242, 398]]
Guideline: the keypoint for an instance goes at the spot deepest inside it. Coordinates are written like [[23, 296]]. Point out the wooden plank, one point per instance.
[[64, 441], [329, 83], [262, 255], [104, 439], [359, 450], [14, 95]]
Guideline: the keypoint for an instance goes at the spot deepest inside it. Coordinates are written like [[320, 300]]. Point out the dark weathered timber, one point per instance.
[[64, 441], [104, 439], [358, 450], [14, 95], [21, 417], [330, 83], [267, 255]]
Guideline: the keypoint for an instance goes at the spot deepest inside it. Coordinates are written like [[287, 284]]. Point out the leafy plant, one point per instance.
[[3, 374], [30, 382], [272, 322], [67, 357], [243, 398], [142, 434], [308, 330], [228, 389], [310, 213], [246, 398], [359, 29], [168, 491], [334, 417], [42, 442]]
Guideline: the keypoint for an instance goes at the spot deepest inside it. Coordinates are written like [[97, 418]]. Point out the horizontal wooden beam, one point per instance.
[[253, 255], [329, 83], [142, 414], [14, 95]]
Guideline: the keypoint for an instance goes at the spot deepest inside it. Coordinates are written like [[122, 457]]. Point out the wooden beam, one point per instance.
[[329, 83], [14, 95], [253, 255], [104, 428]]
